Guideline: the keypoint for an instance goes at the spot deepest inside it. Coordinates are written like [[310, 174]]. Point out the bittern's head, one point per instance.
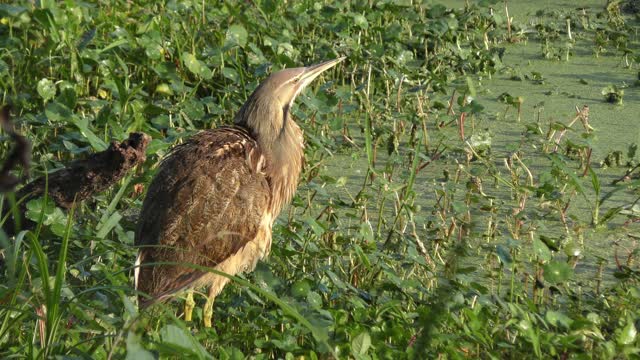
[[266, 111]]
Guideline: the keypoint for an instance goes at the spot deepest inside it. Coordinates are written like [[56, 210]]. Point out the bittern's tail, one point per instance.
[[180, 284]]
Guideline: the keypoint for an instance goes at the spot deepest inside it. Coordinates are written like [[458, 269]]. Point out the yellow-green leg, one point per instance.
[[207, 313], [189, 305]]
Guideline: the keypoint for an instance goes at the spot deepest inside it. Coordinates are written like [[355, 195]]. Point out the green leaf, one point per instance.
[[135, 351], [230, 353], [314, 299], [595, 181], [67, 96], [4, 67], [83, 125], [361, 344], [231, 74], [236, 36], [164, 89], [360, 21], [504, 255], [57, 112], [557, 272], [315, 226], [573, 178], [46, 89], [300, 288], [541, 250], [628, 335], [111, 222], [558, 319], [196, 66], [54, 217], [178, 337]]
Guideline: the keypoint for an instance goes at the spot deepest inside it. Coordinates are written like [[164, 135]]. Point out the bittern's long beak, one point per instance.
[[312, 72]]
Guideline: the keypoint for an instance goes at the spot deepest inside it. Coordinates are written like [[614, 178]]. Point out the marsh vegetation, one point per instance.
[[470, 187]]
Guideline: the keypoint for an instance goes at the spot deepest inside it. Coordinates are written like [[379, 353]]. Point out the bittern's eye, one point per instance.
[[296, 80]]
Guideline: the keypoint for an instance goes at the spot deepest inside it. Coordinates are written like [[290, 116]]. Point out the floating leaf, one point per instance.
[[557, 272], [541, 250]]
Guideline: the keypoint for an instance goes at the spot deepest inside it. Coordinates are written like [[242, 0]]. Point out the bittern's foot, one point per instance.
[[189, 305], [207, 312], [208, 316]]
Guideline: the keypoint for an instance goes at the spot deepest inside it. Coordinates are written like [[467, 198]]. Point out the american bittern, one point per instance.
[[215, 197]]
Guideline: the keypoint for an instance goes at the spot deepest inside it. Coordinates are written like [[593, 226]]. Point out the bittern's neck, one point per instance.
[[281, 142]]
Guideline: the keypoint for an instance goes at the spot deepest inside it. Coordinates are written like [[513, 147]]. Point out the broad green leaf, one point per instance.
[[572, 249], [314, 299], [558, 319], [231, 74], [135, 350], [54, 217], [193, 64], [46, 89], [557, 272], [361, 344], [628, 334], [236, 35], [300, 288], [57, 112], [541, 250], [178, 337], [230, 353], [196, 66], [315, 226], [164, 89], [360, 21]]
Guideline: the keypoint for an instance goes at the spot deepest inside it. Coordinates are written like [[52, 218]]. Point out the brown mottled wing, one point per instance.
[[205, 203]]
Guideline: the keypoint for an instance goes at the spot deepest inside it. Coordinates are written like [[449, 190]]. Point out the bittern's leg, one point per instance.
[[189, 304], [207, 314], [216, 286]]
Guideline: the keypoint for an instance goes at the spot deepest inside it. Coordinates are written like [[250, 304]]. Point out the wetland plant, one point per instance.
[[403, 241], [613, 94]]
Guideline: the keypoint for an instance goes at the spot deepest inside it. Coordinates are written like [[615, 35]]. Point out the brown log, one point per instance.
[[20, 155], [81, 179]]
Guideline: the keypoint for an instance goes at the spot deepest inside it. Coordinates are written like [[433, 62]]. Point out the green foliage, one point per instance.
[[613, 94], [414, 233]]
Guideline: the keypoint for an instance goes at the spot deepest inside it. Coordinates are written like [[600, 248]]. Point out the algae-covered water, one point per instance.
[[552, 89]]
